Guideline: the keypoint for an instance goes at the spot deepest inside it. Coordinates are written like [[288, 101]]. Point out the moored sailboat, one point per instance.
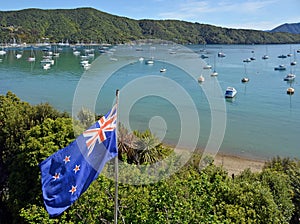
[[32, 56]]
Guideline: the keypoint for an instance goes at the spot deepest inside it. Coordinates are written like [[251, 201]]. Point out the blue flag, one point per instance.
[[68, 173]]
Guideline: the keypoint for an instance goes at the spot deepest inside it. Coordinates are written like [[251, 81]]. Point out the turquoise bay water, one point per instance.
[[262, 121]]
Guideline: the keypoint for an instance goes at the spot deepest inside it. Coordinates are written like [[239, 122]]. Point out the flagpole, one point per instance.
[[116, 164]]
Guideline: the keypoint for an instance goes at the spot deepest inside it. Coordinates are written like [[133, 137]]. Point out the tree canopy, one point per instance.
[[90, 25]]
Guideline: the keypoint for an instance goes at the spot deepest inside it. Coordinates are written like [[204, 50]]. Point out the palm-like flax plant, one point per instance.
[[127, 143], [148, 149], [140, 148]]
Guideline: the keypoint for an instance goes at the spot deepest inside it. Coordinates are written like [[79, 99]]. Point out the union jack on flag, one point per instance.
[[106, 123]]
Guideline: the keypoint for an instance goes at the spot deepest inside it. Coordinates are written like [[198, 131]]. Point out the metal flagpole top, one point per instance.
[[116, 166]]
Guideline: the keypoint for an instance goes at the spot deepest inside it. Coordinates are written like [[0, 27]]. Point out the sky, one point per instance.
[[246, 14]]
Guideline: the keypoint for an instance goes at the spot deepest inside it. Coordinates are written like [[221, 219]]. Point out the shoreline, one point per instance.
[[234, 164]]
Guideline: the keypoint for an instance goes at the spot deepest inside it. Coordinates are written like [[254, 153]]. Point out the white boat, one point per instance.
[[214, 73], [141, 59], [290, 91], [76, 53], [221, 55], [2, 52], [103, 50], [293, 63], [31, 58], [201, 78], [289, 77], [64, 44], [149, 62], [91, 55], [47, 61], [245, 79], [56, 54], [253, 56], [207, 66], [83, 57], [46, 66], [163, 70], [247, 60], [265, 57], [230, 92], [47, 57], [18, 56], [86, 66], [84, 62]]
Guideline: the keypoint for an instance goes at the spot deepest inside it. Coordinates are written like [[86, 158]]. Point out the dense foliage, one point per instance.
[[90, 25], [29, 134]]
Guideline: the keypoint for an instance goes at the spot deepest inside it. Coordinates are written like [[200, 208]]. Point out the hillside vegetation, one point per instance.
[[90, 25], [194, 194]]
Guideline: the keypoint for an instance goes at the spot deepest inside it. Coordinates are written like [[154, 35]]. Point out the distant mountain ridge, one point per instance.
[[90, 25], [293, 28]]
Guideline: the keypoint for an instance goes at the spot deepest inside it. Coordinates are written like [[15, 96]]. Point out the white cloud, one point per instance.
[[255, 6]]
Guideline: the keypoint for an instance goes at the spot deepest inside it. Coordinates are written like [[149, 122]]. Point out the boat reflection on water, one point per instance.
[[230, 100]]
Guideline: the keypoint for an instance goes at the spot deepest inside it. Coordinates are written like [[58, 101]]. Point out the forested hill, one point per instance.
[[90, 25]]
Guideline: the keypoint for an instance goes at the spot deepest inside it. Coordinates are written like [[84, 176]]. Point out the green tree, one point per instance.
[[40, 142], [16, 117], [86, 118], [88, 24], [291, 168], [191, 195]]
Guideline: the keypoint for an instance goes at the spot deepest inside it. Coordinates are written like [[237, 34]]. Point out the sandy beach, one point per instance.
[[235, 165]]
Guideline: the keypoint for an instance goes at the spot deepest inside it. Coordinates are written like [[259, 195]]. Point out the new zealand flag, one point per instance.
[[68, 173]]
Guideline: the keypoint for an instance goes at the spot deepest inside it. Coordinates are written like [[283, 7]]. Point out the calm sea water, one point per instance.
[[262, 121]]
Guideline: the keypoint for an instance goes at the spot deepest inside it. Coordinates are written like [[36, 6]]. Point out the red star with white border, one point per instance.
[[77, 168], [56, 176], [67, 159], [73, 190]]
